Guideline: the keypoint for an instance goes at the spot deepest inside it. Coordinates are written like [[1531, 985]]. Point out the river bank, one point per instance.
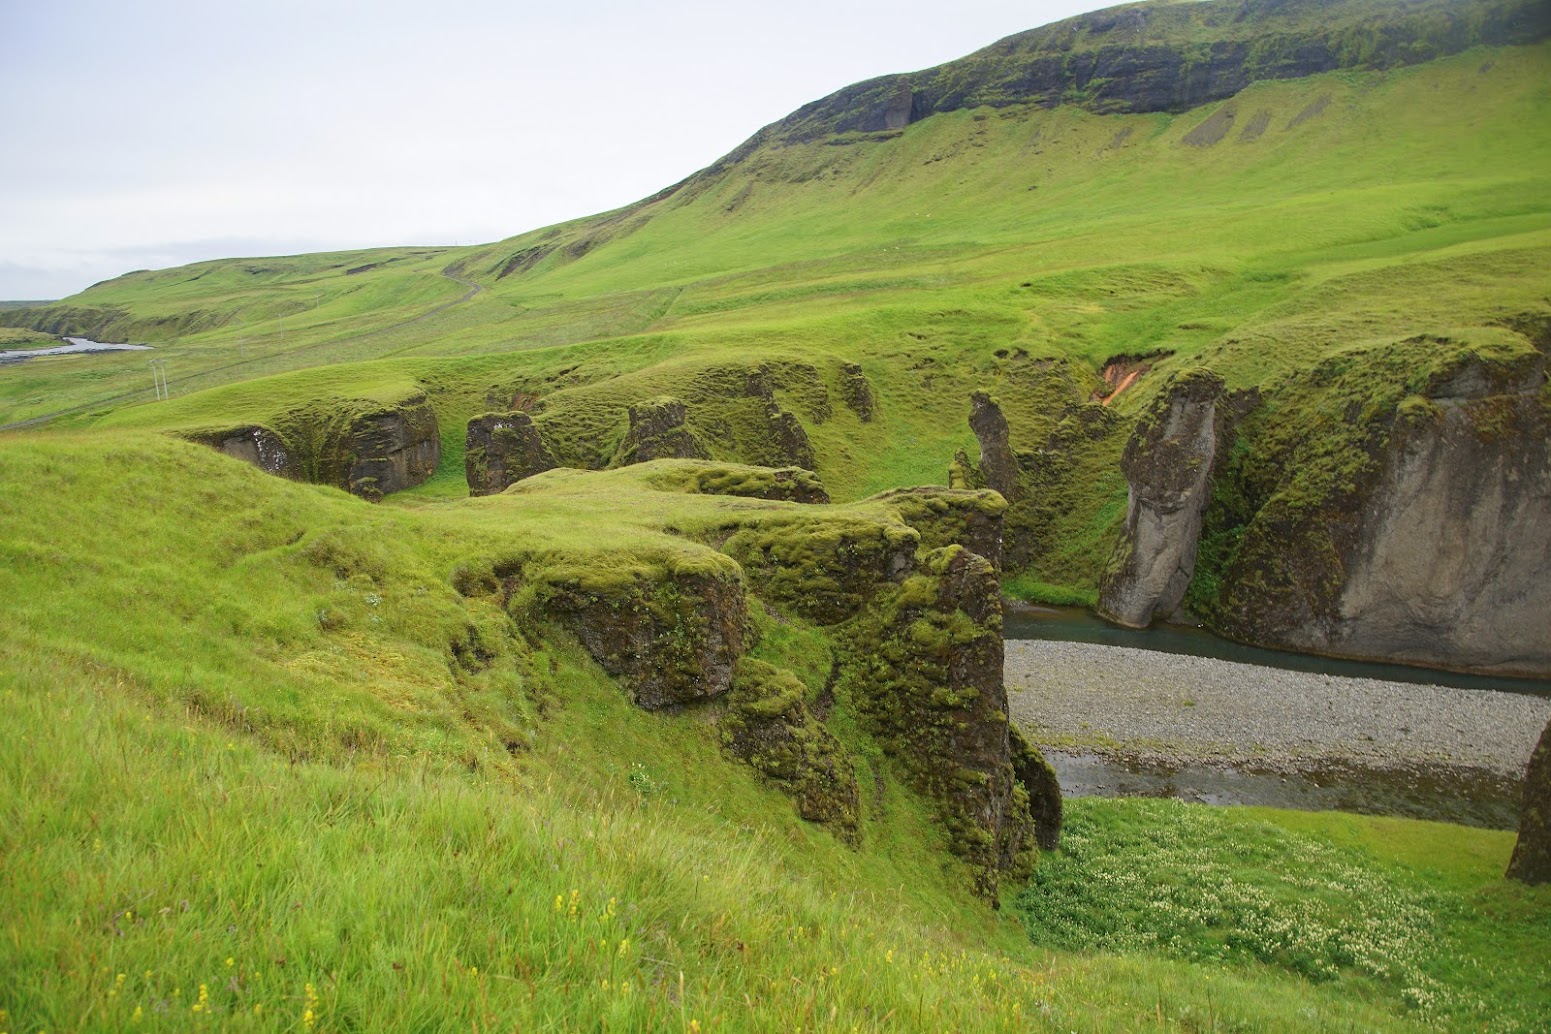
[[1121, 721]]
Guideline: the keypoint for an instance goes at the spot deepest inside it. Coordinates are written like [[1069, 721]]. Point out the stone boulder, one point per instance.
[[1168, 466], [1531, 861], [502, 449]]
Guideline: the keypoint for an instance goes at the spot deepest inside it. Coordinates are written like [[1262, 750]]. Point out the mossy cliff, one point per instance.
[[926, 673], [367, 450], [678, 602], [1165, 57], [769, 724], [1395, 503]]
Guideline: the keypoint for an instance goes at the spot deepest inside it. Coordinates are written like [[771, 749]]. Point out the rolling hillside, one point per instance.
[[699, 722]]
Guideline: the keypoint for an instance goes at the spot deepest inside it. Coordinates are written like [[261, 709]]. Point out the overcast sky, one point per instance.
[[152, 133]]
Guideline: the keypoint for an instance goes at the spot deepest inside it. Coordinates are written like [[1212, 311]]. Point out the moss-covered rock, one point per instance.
[[368, 450], [856, 391], [1044, 789], [944, 517], [1531, 861], [502, 449], [824, 570], [657, 432], [789, 484], [926, 674], [768, 724], [671, 638]]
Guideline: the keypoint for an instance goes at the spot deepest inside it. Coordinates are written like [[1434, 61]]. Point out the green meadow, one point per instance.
[[251, 778], [251, 782]]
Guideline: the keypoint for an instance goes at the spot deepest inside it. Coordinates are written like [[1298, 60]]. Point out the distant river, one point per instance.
[[76, 346]]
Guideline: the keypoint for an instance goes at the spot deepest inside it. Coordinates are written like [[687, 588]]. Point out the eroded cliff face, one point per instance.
[[502, 449], [391, 451], [1428, 543], [369, 454], [911, 612], [1451, 561], [670, 639], [256, 445], [1168, 465]]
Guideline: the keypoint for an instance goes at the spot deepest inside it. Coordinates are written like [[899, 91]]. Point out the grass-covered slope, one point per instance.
[[248, 776]]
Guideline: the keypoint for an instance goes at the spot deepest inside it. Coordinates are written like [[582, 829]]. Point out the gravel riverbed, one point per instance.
[[1172, 708]]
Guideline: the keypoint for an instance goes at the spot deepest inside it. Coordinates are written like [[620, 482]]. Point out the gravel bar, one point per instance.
[[1176, 708]]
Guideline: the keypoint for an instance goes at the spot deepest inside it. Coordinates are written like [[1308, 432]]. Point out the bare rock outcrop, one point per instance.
[[502, 449], [1531, 861], [998, 463], [1168, 465], [253, 444]]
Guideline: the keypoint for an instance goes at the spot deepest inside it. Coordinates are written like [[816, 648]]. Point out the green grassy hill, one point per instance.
[[1258, 236], [272, 763], [251, 776]]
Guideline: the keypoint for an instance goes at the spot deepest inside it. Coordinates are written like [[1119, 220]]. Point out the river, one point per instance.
[[76, 346], [1177, 712]]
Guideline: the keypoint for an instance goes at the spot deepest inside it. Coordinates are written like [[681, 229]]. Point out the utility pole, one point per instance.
[[159, 379]]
